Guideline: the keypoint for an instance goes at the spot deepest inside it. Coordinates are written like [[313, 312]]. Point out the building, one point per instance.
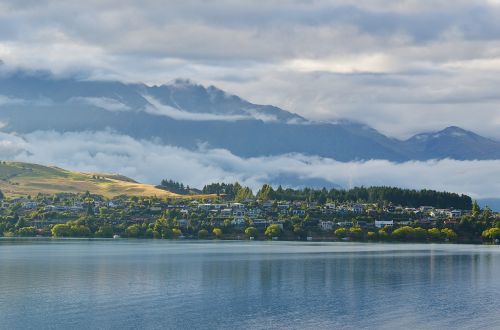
[[383, 223], [326, 225]]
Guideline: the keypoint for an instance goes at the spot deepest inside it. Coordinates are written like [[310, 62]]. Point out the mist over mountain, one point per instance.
[[185, 114]]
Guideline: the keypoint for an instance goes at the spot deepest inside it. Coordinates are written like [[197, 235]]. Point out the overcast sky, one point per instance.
[[400, 66]]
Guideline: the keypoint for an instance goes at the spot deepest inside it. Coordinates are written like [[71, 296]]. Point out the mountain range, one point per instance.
[[186, 114]]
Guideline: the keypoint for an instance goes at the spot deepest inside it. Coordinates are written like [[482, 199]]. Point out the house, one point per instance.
[[357, 208], [183, 223], [267, 205], [326, 225], [237, 206], [239, 213], [454, 214], [261, 223], [254, 212], [383, 223], [238, 222], [29, 205], [226, 212], [298, 212], [330, 206]]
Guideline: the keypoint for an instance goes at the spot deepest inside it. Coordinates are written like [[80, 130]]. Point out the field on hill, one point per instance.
[[22, 179]]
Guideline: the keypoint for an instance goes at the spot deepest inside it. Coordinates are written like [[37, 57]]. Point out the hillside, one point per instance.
[[30, 179]]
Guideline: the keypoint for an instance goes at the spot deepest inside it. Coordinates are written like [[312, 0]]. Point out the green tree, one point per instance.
[[27, 232], [104, 231], [475, 209], [492, 233], [449, 234], [265, 193], [382, 234], [356, 233], [217, 232], [133, 231], [405, 233], [273, 231], [434, 234], [202, 233], [176, 232], [251, 232], [80, 231], [341, 232], [61, 230]]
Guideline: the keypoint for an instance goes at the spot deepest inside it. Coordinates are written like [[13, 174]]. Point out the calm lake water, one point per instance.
[[147, 284]]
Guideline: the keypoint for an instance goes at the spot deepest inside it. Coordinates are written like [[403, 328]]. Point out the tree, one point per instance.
[[217, 232], [273, 231], [133, 231], [449, 234], [434, 234], [61, 230], [202, 233], [251, 232], [341, 232], [486, 214], [27, 231], [80, 231], [492, 233], [475, 209], [176, 232], [408, 233], [265, 193], [105, 231], [355, 233], [298, 230], [382, 234]]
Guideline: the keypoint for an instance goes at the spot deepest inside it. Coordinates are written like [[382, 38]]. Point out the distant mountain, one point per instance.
[[186, 114], [454, 142], [492, 203]]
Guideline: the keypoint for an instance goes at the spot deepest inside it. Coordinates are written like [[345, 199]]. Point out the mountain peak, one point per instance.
[[455, 131], [182, 82]]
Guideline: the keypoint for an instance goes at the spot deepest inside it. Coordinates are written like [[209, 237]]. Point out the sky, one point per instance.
[[400, 66]]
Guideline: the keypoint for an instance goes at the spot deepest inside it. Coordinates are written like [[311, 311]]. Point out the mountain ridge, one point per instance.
[[185, 114]]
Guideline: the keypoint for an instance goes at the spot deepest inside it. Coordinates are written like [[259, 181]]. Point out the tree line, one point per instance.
[[377, 194]]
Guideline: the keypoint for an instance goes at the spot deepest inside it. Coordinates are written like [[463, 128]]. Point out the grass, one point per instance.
[[22, 179]]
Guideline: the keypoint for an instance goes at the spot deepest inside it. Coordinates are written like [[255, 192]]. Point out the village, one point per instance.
[[309, 220]]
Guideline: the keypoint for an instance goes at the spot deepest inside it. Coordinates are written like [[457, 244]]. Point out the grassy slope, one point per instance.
[[20, 179]]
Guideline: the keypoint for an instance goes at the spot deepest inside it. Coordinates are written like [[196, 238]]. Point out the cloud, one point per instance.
[[101, 102], [155, 107], [149, 161], [401, 66]]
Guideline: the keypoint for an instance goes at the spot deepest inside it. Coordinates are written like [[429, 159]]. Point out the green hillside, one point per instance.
[[21, 179]]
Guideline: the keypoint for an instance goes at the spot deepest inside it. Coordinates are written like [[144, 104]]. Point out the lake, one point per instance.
[[155, 284]]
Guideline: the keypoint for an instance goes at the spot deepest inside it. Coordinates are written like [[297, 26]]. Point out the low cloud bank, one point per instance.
[[150, 161]]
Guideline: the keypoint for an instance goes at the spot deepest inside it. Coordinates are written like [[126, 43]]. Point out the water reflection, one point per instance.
[[158, 284]]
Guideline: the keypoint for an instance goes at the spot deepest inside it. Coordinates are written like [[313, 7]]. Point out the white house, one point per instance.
[[383, 223], [326, 225]]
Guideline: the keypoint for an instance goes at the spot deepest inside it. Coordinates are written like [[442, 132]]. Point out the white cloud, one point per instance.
[[157, 108], [429, 64], [101, 102], [149, 161]]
